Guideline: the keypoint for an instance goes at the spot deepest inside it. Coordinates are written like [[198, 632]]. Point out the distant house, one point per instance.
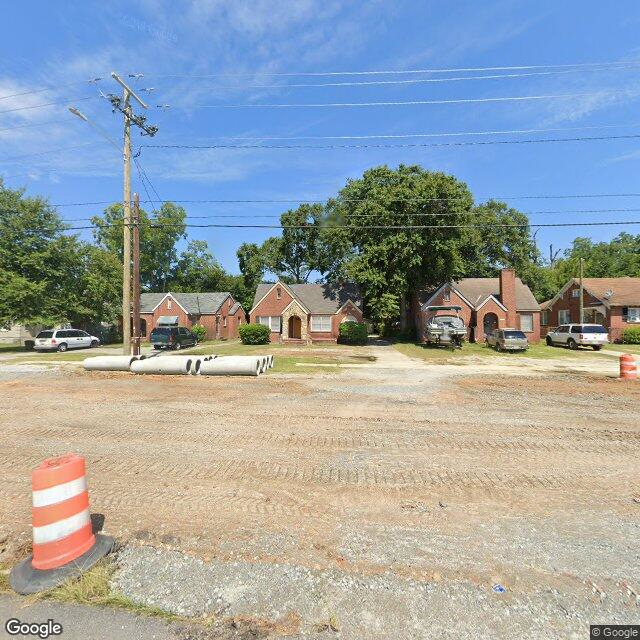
[[218, 312], [612, 302], [487, 304], [18, 333], [305, 312]]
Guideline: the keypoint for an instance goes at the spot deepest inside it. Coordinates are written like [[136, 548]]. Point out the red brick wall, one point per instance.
[[336, 321], [271, 306], [208, 321], [439, 300], [478, 321], [508, 295], [568, 302]]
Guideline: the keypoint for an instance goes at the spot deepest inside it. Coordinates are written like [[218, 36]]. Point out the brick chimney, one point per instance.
[[508, 295]]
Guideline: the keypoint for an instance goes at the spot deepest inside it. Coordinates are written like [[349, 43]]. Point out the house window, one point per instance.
[[564, 316], [446, 296], [526, 322], [321, 323], [631, 314], [349, 318], [544, 318], [224, 321], [575, 293], [279, 293], [230, 301], [169, 303], [273, 322]]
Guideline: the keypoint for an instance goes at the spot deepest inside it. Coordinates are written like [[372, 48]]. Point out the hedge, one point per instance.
[[200, 332], [631, 335], [254, 334], [353, 333]]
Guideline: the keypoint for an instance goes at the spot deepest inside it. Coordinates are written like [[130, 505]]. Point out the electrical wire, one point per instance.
[[32, 124], [411, 81], [581, 65], [43, 89], [321, 201], [42, 153], [391, 145], [50, 104]]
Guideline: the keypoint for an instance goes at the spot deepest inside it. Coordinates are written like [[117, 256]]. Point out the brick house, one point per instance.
[[487, 304], [612, 302], [305, 312], [218, 312]]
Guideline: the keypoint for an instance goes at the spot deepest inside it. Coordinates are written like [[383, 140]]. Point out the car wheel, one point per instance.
[[178, 346], [549, 342], [597, 347], [157, 347], [498, 348], [572, 344], [62, 347], [94, 344], [195, 343]]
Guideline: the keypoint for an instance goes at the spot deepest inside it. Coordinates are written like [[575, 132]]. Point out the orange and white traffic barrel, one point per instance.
[[63, 540], [628, 367]]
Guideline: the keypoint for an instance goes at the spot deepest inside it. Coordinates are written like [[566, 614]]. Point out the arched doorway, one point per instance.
[[295, 327], [490, 322]]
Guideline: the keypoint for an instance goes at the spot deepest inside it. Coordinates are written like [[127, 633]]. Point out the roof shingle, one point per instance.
[[317, 298], [193, 303]]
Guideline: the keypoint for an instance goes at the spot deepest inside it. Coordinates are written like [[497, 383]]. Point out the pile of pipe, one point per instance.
[[183, 365]]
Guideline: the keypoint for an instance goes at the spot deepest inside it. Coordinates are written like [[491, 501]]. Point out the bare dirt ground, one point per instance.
[[434, 477]]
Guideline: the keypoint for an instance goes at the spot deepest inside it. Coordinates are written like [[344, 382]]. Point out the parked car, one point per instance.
[[575, 335], [63, 339], [508, 340], [172, 338]]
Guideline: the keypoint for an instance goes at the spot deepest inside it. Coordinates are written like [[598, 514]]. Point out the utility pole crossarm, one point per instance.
[[127, 88]]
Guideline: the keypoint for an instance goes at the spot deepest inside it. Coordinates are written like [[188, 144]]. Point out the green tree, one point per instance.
[[197, 270], [158, 239], [46, 276], [252, 267], [389, 264]]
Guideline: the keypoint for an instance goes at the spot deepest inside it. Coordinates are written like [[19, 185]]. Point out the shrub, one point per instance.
[[353, 333], [631, 335], [254, 334], [200, 332]]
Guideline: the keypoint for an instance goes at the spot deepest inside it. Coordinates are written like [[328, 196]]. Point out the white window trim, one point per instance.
[[321, 319], [269, 321], [562, 319], [575, 293], [633, 318], [526, 315]]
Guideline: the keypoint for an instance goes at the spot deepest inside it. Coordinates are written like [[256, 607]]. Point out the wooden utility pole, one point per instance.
[[581, 290], [126, 253], [136, 275]]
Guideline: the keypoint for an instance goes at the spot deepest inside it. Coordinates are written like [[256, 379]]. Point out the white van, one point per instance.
[[63, 339]]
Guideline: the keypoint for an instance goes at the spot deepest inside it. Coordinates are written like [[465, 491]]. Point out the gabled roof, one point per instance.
[[620, 292], [476, 291], [317, 298], [234, 309], [192, 303]]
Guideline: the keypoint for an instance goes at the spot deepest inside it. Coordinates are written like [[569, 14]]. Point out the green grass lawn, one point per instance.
[[447, 356], [624, 348]]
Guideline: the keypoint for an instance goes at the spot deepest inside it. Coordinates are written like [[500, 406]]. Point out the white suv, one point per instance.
[[575, 335], [63, 339]]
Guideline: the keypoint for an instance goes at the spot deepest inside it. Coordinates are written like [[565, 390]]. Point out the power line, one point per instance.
[[430, 135], [43, 89], [50, 104], [436, 214], [321, 201], [582, 65], [396, 103], [389, 227], [411, 81], [394, 145], [32, 124], [42, 153]]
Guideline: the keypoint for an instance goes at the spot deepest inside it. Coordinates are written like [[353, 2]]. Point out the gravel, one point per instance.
[[350, 605]]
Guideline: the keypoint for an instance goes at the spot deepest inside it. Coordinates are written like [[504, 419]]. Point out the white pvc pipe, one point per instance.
[[242, 366], [270, 362], [110, 363], [162, 366], [258, 359]]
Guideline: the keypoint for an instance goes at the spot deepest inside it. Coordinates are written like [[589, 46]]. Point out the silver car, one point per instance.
[[63, 339], [508, 340]]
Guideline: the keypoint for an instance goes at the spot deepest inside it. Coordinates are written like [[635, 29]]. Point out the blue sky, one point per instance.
[[214, 52]]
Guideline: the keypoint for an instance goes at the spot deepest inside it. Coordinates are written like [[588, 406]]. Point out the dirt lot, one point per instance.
[[445, 476]]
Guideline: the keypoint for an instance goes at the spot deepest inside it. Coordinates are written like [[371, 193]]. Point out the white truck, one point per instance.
[[578, 335]]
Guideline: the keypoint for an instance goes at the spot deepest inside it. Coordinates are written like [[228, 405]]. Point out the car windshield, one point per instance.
[[447, 321], [594, 328], [45, 334], [514, 334], [162, 331]]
